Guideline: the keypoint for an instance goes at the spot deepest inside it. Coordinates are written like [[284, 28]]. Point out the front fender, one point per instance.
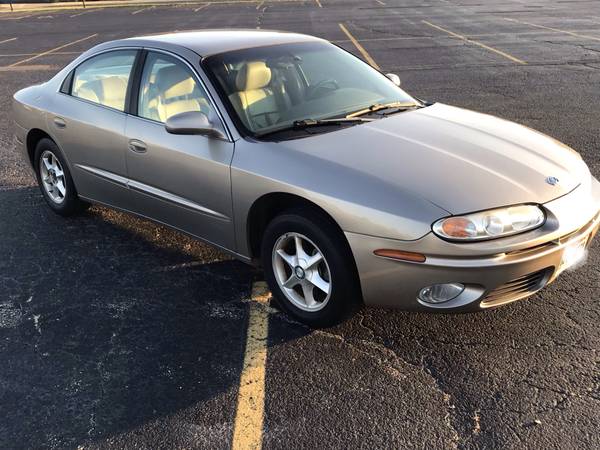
[[358, 202]]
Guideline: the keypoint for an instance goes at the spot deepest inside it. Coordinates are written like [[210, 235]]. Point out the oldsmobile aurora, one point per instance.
[[288, 152]]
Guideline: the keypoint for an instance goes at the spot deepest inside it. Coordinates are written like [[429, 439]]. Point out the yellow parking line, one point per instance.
[[360, 48], [8, 40], [32, 68], [248, 426], [47, 52], [318, 3], [472, 41], [20, 55], [16, 18], [202, 7], [585, 36]]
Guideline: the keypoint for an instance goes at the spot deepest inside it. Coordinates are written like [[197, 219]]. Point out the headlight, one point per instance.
[[490, 224]]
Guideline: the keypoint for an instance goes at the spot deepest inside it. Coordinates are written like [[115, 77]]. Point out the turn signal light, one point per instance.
[[400, 255]]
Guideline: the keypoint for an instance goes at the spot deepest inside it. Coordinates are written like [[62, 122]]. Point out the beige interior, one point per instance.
[[109, 91], [175, 92], [254, 99]]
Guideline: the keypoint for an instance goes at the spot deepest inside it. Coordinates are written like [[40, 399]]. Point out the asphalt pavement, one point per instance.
[[116, 332]]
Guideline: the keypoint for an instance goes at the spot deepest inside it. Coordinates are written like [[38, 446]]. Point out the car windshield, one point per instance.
[[271, 88]]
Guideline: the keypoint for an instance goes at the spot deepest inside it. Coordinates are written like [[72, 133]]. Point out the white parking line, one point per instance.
[[8, 40], [319, 3], [47, 52], [141, 10], [206, 5], [259, 5], [89, 11]]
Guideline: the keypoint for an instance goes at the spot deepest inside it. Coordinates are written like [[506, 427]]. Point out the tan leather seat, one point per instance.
[[254, 100], [109, 91], [177, 92], [87, 93]]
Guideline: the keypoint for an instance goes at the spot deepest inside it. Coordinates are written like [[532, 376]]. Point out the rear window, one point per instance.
[[103, 79]]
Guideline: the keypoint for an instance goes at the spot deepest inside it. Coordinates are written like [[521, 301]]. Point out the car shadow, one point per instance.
[[109, 323]]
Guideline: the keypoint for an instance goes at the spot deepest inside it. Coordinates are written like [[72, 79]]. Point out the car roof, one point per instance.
[[210, 42]]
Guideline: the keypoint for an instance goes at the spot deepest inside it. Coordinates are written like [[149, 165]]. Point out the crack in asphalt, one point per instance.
[[570, 44], [387, 359]]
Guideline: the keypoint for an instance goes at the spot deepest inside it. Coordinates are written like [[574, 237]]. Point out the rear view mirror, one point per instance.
[[193, 122], [393, 78]]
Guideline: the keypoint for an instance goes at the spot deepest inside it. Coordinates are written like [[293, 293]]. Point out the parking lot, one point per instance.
[[116, 332]]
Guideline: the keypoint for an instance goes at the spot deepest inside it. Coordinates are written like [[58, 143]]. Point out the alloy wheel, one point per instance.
[[302, 271], [53, 177]]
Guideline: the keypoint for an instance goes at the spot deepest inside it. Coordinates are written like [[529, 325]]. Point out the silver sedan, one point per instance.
[[288, 152]]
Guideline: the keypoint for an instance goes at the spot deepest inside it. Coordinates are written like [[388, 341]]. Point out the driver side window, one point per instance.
[[168, 88]]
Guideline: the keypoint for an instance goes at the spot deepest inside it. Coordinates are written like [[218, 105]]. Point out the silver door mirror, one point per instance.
[[394, 78], [193, 122]]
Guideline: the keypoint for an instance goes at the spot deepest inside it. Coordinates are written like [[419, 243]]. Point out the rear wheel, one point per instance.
[[310, 269], [55, 180]]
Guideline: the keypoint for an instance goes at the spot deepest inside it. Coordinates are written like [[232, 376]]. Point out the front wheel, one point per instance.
[[310, 269]]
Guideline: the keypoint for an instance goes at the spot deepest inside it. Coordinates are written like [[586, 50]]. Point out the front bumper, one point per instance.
[[494, 272]]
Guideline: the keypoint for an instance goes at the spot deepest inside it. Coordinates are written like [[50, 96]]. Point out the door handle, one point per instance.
[[137, 146], [60, 122]]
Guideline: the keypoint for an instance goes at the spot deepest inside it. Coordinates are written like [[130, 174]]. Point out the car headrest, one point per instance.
[[253, 75], [173, 81], [113, 86]]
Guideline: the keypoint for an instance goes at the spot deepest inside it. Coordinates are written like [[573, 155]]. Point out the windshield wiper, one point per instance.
[[305, 123], [308, 123], [379, 106]]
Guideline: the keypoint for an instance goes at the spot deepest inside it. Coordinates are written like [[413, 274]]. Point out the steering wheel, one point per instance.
[[329, 84]]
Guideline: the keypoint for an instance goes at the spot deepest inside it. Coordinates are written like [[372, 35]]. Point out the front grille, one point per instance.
[[518, 288]]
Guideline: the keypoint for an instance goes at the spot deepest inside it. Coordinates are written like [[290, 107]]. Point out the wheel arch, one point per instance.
[[34, 136], [267, 207], [270, 205]]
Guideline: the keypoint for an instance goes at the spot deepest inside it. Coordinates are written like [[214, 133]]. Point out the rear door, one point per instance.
[[180, 180], [88, 120]]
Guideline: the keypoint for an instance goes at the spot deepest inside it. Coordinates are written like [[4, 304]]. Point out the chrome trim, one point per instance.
[[118, 179], [172, 198], [152, 191]]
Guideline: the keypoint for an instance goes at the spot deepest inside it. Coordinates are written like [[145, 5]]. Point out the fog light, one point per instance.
[[440, 293]]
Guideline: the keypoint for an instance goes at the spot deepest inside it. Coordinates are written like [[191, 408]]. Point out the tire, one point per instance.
[[54, 179], [322, 294]]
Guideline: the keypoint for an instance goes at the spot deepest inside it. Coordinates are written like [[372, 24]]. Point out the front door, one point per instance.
[[181, 180]]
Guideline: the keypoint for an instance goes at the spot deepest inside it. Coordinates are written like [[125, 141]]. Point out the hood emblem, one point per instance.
[[553, 181]]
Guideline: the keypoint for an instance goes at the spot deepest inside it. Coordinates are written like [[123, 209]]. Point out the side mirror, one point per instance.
[[193, 122], [393, 78]]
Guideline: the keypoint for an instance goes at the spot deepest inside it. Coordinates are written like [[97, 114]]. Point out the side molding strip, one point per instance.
[[152, 191], [105, 174]]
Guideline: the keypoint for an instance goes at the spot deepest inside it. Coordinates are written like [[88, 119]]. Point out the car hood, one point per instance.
[[459, 160]]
